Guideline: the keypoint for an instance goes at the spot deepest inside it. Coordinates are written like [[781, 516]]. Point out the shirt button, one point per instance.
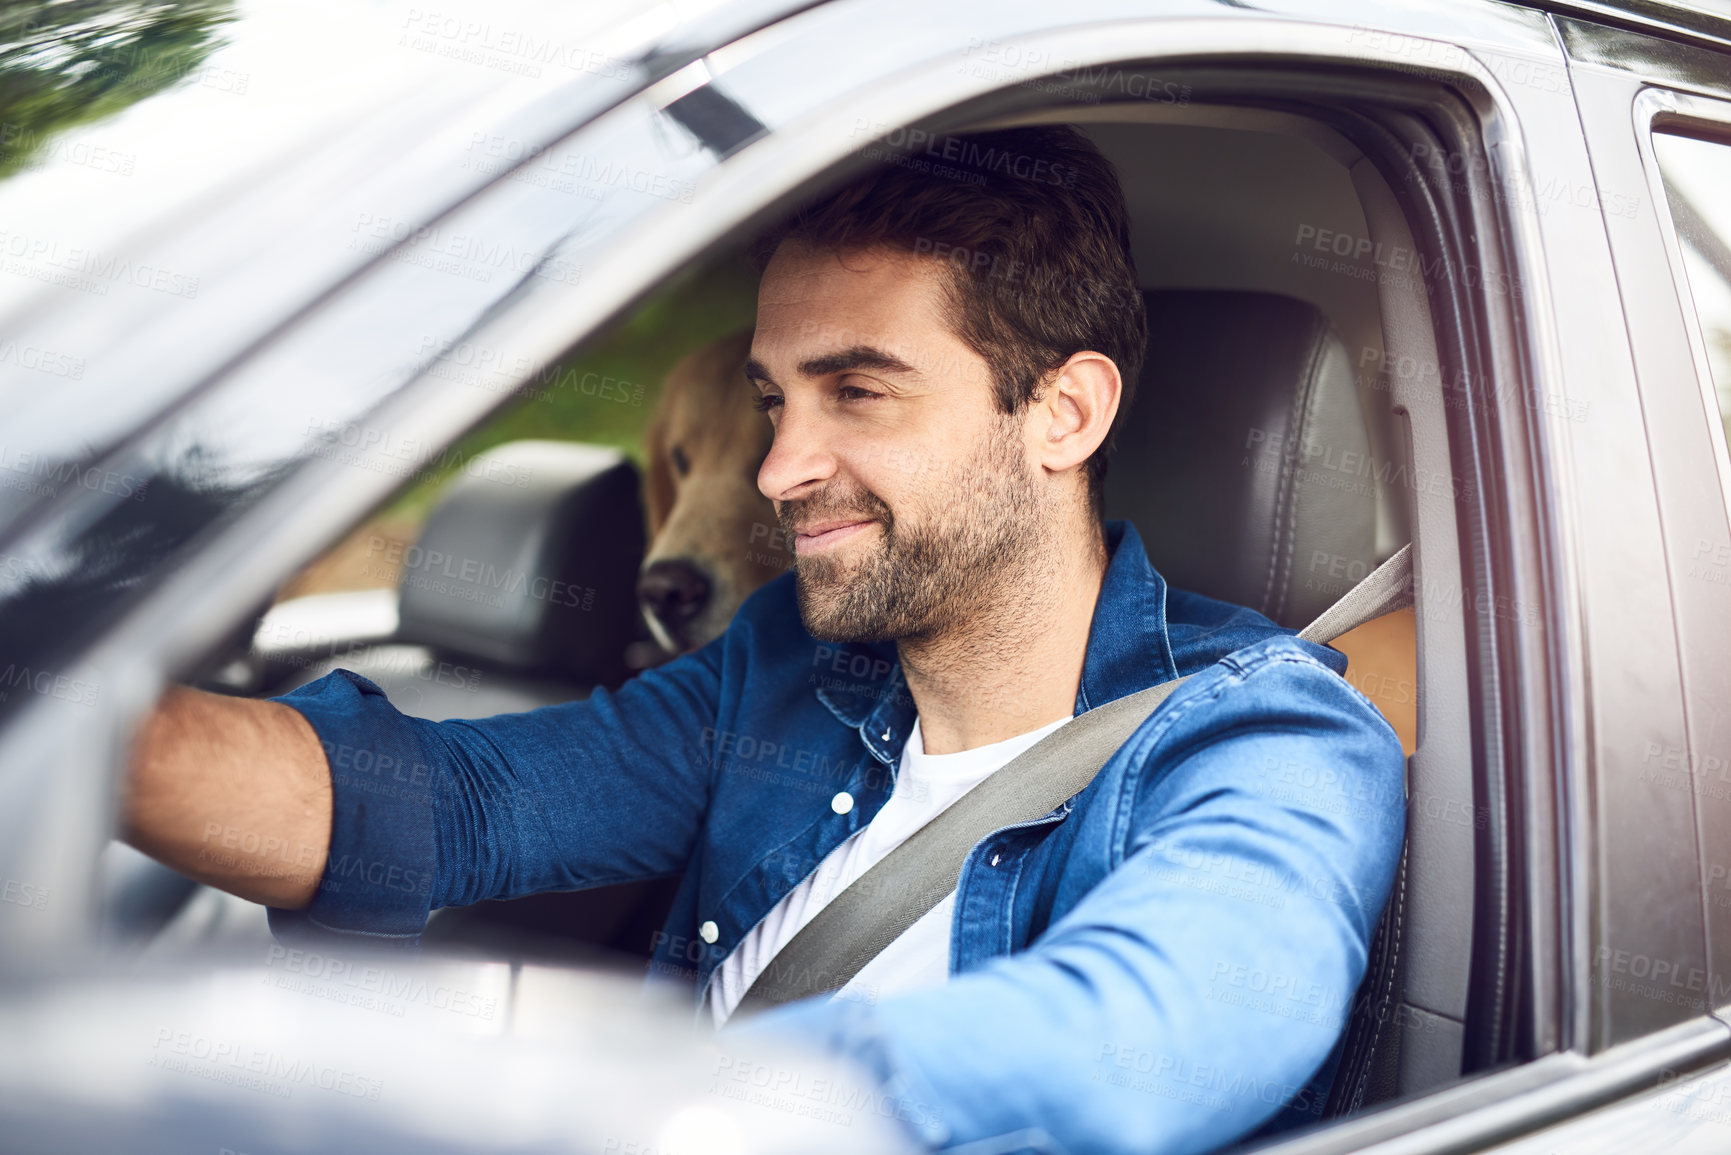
[[887, 734], [709, 932], [995, 859], [841, 803]]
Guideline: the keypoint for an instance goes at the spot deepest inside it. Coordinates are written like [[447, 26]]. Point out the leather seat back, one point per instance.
[[1244, 461], [529, 563], [1245, 464], [520, 590]]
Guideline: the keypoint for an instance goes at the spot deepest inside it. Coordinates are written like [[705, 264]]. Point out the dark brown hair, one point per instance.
[[1032, 226]]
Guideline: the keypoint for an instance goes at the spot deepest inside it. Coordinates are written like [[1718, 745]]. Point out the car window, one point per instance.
[[604, 393], [1697, 173], [305, 356], [186, 173], [298, 403]]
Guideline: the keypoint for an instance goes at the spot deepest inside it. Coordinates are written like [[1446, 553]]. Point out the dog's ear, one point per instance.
[[658, 481]]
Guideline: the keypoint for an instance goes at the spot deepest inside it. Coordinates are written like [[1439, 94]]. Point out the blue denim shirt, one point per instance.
[[1158, 965]]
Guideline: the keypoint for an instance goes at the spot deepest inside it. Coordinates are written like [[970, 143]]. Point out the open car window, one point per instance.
[[1265, 199]]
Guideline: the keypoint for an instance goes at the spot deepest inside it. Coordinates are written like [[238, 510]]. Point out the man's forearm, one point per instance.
[[233, 792]]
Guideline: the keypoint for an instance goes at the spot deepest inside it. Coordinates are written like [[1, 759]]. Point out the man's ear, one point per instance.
[[1074, 411]]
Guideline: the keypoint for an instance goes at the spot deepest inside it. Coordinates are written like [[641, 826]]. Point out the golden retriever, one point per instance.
[[713, 537]]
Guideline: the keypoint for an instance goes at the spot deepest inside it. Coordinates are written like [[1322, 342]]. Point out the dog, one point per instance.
[[713, 538]]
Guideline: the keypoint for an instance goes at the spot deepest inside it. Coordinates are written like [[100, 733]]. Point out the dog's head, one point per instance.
[[713, 537]]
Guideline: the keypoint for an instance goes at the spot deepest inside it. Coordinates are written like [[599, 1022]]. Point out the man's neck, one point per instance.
[[1016, 663]]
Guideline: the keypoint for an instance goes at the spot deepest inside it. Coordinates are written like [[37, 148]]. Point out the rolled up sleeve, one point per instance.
[[378, 880], [1208, 975], [427, 814]]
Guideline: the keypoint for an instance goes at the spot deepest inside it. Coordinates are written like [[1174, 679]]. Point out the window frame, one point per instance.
[[1630, 86], [294, 523], [1662, 108], [1658, 109]]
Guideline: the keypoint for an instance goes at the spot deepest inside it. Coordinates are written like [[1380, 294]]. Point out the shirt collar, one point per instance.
[[1128, 650]]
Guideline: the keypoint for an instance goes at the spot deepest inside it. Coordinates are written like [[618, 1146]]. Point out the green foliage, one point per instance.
[[606, 391], [70, 62]]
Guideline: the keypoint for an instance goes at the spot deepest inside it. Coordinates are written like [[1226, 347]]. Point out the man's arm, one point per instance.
[[233, 792], [1205, 979], [349, 817]]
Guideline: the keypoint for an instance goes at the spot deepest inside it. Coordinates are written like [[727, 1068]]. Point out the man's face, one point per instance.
[[909, 497]]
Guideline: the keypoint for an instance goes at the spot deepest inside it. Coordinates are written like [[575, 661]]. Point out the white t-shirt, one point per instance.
[[926, 785]]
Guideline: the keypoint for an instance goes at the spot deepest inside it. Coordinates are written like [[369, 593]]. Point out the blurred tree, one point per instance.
[[71, 62]]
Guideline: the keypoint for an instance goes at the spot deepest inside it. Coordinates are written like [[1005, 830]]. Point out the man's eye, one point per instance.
[[854, 393], [767, 402], [681, 463]]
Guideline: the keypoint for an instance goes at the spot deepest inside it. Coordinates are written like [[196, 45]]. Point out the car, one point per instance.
[[328, 337]]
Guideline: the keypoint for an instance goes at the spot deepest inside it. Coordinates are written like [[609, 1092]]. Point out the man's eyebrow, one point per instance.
[[755, 372], [857, 357]]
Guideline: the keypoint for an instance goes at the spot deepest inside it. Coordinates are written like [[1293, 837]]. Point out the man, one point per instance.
[[1157, 965]]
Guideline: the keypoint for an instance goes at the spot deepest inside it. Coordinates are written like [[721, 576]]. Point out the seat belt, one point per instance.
[[914, 877]]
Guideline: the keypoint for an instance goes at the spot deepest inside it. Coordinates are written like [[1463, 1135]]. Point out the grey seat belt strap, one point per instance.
[[1386, 588], [914, 877]]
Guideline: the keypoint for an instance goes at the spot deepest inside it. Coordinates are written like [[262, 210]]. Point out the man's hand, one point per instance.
[[233, 792]]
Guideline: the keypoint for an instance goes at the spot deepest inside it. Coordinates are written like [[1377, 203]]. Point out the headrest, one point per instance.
[[529, 562], [1245, 462]]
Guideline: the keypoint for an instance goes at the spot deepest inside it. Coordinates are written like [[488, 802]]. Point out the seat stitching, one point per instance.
[[1286, 458], [1391, 970], [1280, 559], [1313, 391], [1393, 967]]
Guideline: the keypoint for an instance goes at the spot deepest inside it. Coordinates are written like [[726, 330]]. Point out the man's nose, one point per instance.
[[798, 456]]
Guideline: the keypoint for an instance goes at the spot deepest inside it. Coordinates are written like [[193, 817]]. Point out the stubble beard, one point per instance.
[[966, 548]]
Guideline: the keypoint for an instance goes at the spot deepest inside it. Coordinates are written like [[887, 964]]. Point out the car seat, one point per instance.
[[1245, 464]]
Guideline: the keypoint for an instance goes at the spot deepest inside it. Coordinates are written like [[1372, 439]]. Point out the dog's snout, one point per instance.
[[674, 591]]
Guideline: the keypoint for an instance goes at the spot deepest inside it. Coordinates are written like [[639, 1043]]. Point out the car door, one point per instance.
[[1655, 109], [1568, 860]]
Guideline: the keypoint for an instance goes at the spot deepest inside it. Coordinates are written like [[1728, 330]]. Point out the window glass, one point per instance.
[[1698, 186]]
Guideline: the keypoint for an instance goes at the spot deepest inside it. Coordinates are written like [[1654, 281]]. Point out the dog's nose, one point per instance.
[[674, 591]]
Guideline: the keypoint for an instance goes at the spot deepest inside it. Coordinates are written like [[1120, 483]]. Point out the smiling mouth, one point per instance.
[[827, 536]]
